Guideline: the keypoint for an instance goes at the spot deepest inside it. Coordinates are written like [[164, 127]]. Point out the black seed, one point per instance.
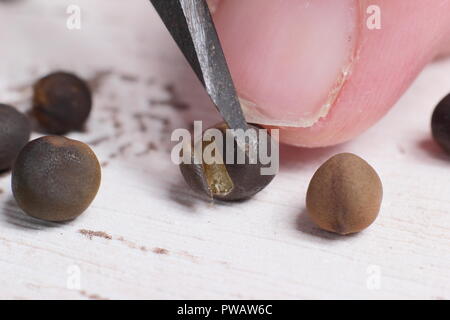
[[61, 102], [440, 124], [14, 134], [229, 182], [55, 178]]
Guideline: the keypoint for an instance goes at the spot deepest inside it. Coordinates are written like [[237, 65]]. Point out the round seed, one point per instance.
[[227, 181], [344, 195], [14, 134], [61, 102], [440, 124], [55, 178]]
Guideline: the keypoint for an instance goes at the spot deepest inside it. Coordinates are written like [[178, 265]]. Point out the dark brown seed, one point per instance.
[[344, 195], [61, 102], [55, 178], [440, 124], [14, 134], [230, 182]]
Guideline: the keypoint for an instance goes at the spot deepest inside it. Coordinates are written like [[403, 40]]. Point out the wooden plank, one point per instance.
[[147, 236]]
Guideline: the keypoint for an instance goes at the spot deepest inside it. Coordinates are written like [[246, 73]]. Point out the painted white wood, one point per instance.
[[153, 238]]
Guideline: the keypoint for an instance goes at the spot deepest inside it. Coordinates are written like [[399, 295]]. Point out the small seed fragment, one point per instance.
[[344, 195], [55, 178]]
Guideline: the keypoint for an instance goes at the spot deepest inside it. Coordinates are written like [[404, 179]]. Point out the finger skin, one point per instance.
[[384, 64]]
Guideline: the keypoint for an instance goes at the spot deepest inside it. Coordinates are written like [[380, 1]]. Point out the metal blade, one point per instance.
[[191, 26]]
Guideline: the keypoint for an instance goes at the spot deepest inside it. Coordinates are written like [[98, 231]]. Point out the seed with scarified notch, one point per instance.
[[61, 102], [55, 178], [344, 195], [14, 134], [224, 180]]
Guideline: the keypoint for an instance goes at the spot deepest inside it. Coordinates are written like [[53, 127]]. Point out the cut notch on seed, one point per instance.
[[217, 177]]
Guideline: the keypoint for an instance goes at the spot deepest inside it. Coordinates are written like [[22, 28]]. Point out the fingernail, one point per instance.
[[289, 58]]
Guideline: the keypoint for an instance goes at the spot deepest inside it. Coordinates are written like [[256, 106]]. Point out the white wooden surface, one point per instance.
[[153, 238]]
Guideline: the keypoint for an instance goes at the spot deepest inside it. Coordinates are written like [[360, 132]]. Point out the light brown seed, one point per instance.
[[344, 195]]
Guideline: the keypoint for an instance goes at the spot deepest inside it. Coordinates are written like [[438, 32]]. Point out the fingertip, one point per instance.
[[288, 58]]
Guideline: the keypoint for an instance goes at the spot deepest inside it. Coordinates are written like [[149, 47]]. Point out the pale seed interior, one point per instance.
[[217, 177]]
